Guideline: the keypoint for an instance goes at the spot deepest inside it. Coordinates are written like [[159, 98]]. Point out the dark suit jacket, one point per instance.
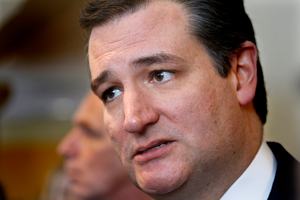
[[286, 185]]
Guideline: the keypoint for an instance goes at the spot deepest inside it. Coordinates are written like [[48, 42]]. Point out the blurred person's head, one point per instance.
[[91, 164]]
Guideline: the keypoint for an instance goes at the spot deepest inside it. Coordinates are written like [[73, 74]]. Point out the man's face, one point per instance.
[[171, 117], [91, 164]]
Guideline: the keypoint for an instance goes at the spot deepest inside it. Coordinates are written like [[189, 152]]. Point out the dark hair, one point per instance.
[[221, 26]]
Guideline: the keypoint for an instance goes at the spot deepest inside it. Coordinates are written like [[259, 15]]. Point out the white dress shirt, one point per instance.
[[256, 182]]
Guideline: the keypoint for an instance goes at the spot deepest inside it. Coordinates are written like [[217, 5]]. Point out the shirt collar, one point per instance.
[[256, 182]]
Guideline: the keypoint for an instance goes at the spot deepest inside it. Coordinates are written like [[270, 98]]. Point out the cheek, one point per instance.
[[118, 137], [121, 140], [104, 159], [104, 171], [202, 113], [114, 128], [192, 108], [112, 169]]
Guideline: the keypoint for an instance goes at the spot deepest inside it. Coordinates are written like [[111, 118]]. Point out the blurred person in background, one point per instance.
[[92, 168]]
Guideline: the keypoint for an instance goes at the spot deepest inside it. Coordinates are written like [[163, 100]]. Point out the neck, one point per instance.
[[214, 186]]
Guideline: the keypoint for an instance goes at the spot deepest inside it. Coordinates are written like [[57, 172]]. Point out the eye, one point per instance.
[[89, 132], [111, 94], [162, 76]]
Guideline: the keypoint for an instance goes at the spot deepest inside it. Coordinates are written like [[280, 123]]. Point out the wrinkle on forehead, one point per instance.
[[116, 42], [145, 20], [105, 47]]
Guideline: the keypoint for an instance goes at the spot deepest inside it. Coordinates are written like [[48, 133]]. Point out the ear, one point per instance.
[[244, 69]]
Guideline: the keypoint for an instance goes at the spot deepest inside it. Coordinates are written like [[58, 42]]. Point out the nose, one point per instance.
[[68, 146], [138, 111]]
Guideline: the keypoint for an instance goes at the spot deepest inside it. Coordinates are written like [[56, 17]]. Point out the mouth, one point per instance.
[[72, 173], [161, 144], [153, 150]]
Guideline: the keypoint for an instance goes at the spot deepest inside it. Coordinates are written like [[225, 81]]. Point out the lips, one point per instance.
[[155, 147], [152, 150]]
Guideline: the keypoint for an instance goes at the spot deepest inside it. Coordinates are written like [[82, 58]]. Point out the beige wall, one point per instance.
[[277, 26]]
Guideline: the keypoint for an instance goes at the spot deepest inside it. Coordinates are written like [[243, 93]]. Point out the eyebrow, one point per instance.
[[158, 58], [89, 128], [103, 77], [83, 124], [146, 61]]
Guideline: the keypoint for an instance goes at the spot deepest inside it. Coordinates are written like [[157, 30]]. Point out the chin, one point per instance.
[[160, 183], [91, 190], [80, 191]]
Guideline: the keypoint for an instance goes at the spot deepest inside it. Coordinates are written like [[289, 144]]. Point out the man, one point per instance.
[[91, 164], [184, 98]]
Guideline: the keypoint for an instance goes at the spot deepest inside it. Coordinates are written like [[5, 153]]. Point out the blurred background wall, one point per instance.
[[42, 60], [277, 26]]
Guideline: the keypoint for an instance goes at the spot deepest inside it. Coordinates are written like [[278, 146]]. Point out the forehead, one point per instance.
[[135, 32]]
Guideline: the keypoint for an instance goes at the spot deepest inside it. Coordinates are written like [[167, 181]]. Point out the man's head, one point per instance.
[[220, 26], [91, 164], [179, 103]]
